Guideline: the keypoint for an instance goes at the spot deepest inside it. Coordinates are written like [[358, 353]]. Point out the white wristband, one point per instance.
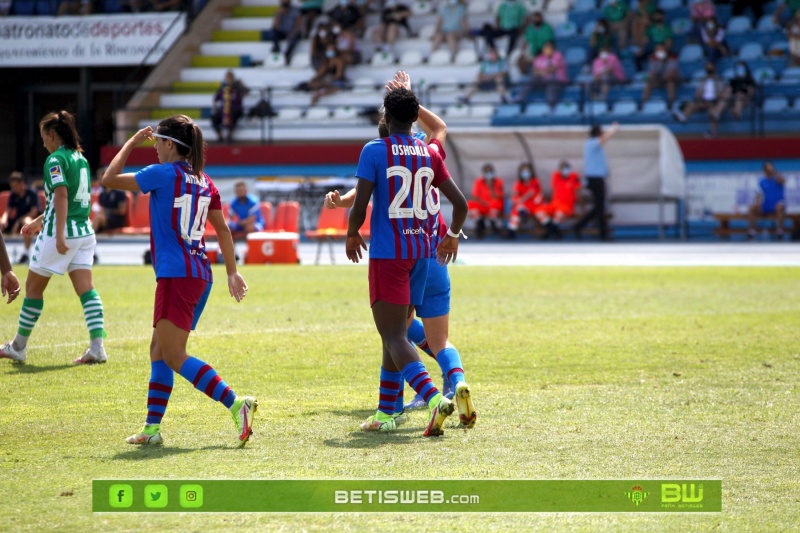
[[456, 235]]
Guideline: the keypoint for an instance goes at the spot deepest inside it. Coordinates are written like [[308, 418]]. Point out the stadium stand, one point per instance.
[[240, 43]]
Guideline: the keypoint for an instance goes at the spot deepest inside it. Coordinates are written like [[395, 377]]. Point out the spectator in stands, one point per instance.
[[537, 33], [662, 71], [606, 70], [616, 12], [527, 199], [601, 38], [564, 185], [111, 211], [596, 168], [786, 11], [793, 32], [550, 73], [346, 46], [770, 200], [658, 33], [488, 201], [712, 37], [394, 17], [228, 106], [347, 15], [739, 92], [310, 9], [452, 25], [319, 44], [244, 212], [22, 208], [330, 77], [287, 24], [492, 75], [700, 11], [707, 98], [641, 18], [509, 21]]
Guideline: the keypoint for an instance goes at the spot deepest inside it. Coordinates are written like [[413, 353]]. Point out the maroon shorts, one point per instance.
[[181, 301], [397, 281]]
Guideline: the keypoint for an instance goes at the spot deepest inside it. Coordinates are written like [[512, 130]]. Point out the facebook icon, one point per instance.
[[120, 496]]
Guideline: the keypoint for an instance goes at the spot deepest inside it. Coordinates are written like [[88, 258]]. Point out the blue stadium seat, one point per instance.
[[625, 108], [576, 56], [765, 23], [690, 53], [655, 107], [566, 29], [582, 6], [775, 104], [588, 28], [792, 73], [508, 110], [666, 5], [566, 109], [681, 26], [751, 51], [537, 109], [764, 74], [46, 7], [740, 24], [596, 108]]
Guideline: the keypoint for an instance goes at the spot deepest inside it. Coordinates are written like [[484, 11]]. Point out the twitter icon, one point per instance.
[[156, 496]]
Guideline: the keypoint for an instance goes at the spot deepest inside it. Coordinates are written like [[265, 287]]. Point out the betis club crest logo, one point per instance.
[[637, 495]]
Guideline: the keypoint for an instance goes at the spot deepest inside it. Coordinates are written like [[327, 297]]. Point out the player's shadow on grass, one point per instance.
[[143, 453], [35, 369]]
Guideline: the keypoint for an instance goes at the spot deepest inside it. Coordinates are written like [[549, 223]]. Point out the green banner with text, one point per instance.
[[425, 496]]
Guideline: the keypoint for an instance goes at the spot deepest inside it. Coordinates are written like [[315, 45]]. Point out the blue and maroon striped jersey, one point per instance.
[[403, 171], [179, 206]]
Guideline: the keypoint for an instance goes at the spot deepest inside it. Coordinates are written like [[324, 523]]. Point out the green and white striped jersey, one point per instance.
[[68, 168]]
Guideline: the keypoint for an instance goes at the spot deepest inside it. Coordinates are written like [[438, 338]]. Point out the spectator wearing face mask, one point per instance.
[[712, 37], [658, 33], [549, 73], [565, 184], [707, 98], [537, 33], [662, 71], [739, 92], [700, 11], [319, 44], [488, 201], [606, 70], [527, 199]]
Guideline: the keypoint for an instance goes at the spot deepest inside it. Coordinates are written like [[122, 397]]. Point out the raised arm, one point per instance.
[[113, 178], [606, 135]]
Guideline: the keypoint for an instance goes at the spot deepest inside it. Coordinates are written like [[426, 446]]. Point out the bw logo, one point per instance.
[[637, 495], [684, 493]]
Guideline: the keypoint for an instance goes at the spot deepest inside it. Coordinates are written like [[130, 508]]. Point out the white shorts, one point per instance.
[[46, 260]]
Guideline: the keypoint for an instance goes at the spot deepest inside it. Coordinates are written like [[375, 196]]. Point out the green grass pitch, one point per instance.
[[577, 373]]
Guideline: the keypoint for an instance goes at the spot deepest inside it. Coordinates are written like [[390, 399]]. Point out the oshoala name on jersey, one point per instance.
[[402, 149], [195, 180]]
